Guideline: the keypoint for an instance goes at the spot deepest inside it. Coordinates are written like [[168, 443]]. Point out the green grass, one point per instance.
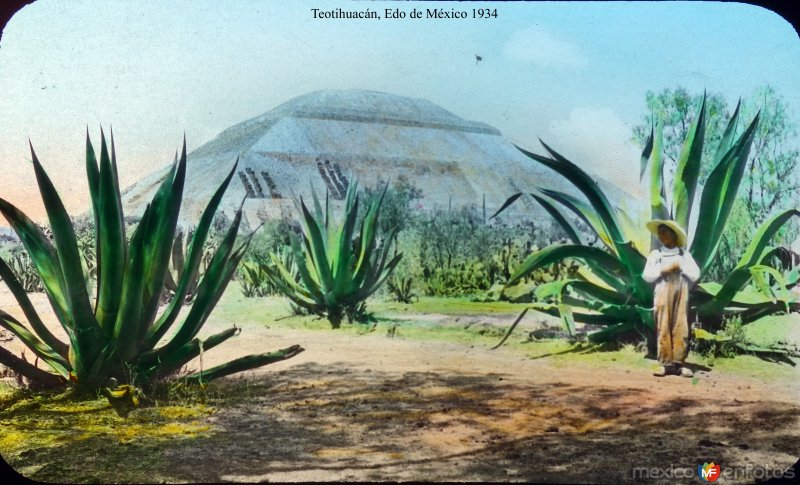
[[275, 311], [773, 329], [749, 366], [43, 433], [448, 306]]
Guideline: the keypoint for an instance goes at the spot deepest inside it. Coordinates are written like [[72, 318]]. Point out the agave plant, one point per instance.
[[401, 288], [25, 272], [338, 271], [177, 266], [609, 290], [254, 278], [115, 336]]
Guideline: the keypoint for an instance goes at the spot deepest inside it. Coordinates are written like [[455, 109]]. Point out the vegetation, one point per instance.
[[339, 268], [401, 288], [24, 270], [177, 266], [610, 291], [116, 338], [768, 183]]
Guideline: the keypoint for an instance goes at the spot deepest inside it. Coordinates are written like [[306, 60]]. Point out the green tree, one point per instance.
[[676, 109], [773, 179]]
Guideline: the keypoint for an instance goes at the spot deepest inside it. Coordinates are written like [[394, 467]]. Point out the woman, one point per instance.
[[674, 271]]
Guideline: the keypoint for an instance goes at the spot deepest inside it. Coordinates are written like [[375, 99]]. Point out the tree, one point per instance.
[[676, 110], [774, 159]]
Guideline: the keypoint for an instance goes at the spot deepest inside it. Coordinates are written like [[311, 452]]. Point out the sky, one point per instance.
[[573, 74]]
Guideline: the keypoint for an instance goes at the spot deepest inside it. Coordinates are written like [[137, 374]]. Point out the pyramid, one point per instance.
[[326, 138]]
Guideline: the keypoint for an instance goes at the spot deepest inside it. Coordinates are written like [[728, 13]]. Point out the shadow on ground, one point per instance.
[[312, 422]]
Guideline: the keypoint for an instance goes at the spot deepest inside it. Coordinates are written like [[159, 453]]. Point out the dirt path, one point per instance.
[[374, 408], [370, 407]]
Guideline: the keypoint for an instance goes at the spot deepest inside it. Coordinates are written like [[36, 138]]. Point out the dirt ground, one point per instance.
[[374, 408]]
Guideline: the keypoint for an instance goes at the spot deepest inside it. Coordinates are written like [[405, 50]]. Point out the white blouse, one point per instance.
[[665, 256]]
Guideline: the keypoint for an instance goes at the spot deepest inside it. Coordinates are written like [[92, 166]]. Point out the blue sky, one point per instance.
[[573, 74]]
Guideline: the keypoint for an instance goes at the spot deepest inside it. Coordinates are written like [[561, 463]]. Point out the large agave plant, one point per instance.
[[116, 336], [338, 271], [609, 290]]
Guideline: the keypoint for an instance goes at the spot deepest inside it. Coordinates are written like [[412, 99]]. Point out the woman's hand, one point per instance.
[[671, 268]]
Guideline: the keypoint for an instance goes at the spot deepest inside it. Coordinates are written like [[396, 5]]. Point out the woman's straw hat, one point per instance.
[[652, 226]]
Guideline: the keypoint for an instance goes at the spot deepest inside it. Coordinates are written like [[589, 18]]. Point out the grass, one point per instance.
[[450, 306], [774, 328], [42, 433], [395, 319]]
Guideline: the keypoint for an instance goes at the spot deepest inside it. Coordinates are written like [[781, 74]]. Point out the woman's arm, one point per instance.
[[652, 269], [689, 267]]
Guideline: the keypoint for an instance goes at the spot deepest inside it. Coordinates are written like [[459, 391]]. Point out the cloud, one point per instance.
[[599, 141], [538, 46]]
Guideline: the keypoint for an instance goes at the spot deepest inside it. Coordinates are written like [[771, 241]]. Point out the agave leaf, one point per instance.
[[244, 363], [726, 142], [582, 317], [280, 274], [189, 351], [618, 312], [158, 241], [93, 174], [511, 328], [44, 257], [586, 274], [87, 331], [586, 184], [688, 170], [309, 282], [567, 318], [209, 290], [584, 212], [44, 351], [718, 198], [765, 232], [343, 259], [648, 149], [316, 245], [111, 244], [593, 291], [658, 200], [506, 204], [30, 313], [734, 282], [368, 233], [604, 265], [30, 371], [381, 274], [194, 254], [730, 185], [704, 242], [634, 233], [129, 315], [551, 209]]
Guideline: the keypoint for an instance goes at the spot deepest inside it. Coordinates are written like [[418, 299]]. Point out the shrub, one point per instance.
[[117, 338], [339, 268]]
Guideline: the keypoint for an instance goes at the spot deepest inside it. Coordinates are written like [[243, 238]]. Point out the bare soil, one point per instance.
[[374, 408]]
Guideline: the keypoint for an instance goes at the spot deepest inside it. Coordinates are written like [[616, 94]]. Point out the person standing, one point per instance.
[[674, 271]]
